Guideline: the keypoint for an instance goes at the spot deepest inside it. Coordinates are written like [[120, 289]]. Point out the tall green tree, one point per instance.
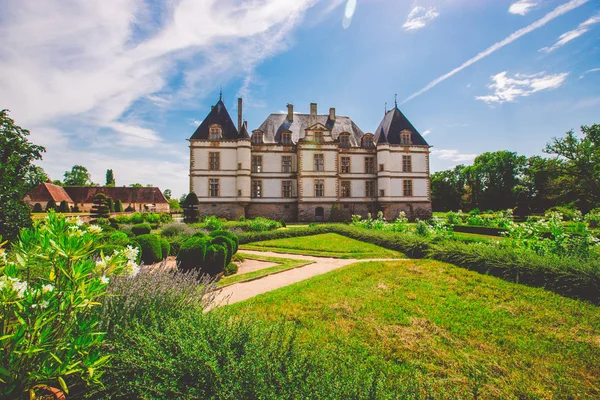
[[110, 178], [167, 194], [16, 167], [448, 189], [78, 176], [36, 176], [580, 169]]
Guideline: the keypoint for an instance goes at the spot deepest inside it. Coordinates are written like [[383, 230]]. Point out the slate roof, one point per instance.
[[218, 115], [276, 124], [46, 191], [392, 124], [145, 195]]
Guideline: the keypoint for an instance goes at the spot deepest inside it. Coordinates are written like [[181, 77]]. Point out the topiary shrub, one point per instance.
[[141, 229], [175, 242], [229, 245], [230, 269], [229, 235], [63, 207], [118, 206], [200, 234], [51, 205], [192, 254], [129, 208], [37, 208], [166, 247], [216, 255], [151, 248], [100, 208], [119, 238]]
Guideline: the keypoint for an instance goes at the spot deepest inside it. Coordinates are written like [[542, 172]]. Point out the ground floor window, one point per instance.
[[286, 188], [408, 188], [213, 188]]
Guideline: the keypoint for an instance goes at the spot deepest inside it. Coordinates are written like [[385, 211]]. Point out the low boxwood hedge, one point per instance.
[[141, 229]]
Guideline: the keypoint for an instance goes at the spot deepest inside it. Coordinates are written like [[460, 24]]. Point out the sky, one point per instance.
[[122, 84]]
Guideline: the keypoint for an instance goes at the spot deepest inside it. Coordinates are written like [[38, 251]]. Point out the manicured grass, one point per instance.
[[283, 264], [325, 245], [459, 333]]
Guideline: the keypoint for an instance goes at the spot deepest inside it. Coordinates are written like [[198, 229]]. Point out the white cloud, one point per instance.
[[427, 132], [507, 89], [453, 155], [522, 7], [589, 71], [574, 34], [557, 12], [348, 13], [419, 17], [195, 122]]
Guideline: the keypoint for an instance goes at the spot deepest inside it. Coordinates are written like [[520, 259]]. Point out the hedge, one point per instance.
[[141, 229], [165, 247], [480, 230], [151, 248], [215, 260], [229, 235], [229, 246]]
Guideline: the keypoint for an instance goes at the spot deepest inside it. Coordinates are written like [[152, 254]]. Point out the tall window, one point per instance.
[[405, 138], [345, 188], [256, 163], [213, 161], [319, 188], [369, 165], [213, 188], [214, 132], [407, 163], [368, 141], [286, 138], [370, 188], [345, 165], [286, 188], [286, 163], [407, 188], [319, 137], [257, 138], [256, 189], [318, 162], [344, 140]]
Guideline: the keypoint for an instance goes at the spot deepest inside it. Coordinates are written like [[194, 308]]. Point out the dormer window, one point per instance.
[[344, 140], [319, 137], [405, 138], [257, 138], [368, 141], [215, 132], [286, 138]]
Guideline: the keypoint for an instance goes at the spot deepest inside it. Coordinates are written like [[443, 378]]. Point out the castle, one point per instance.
[[309, 167]]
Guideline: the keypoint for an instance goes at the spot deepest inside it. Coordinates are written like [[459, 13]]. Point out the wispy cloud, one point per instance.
[[456, 125], [588, 72], [522, 7], [348, 13], [557, 12], [573, 34], [507, 89], [427, 132], [453, 155], [419, 17]]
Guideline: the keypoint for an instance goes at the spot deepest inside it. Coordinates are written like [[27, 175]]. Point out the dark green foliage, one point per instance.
[[75, 208], [141, 229], [129, 208], [282, 222], [78, 176], [64, 207], [216, 256], [165, 247], [151, 248], [190, 208], [230, 269], [110, 178], [100, 208], [119, 238], [199, 234], [111, 204], [118, 206], [192, 254], [51, 205], [37, 208], [228, 244], [175, 242], [229, 235]]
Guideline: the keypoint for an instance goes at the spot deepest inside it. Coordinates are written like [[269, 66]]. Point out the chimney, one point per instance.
[[290, 116], [239, 114], [332, 114], [313, 113]]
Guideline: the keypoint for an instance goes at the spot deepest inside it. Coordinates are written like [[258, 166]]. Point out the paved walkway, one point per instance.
[[245, 290]]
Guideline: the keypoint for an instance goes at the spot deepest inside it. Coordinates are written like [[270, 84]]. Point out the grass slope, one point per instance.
[[326, 245], [459, 333], [283, 264]]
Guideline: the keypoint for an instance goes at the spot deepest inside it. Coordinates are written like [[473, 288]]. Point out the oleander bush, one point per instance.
[[141, 229], [151, 248]]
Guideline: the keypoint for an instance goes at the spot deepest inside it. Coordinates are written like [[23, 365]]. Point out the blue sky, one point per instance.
[[122, 84]]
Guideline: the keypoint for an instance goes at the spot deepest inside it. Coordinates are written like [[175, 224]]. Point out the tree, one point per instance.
[[111, 204], [16, 157], [118, 206], [51, 205], [57, 182], [136, 185], [190, 208], [110, 178], [167, 194], [447, 189], [35, 177], [100, 208], [78, 176], [182, 198], [174, 205], [580, 169]]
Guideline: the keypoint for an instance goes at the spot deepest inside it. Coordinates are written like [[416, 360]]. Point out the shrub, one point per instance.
[[312, 224], [213, 223], [230, 269], [216, 255], [63, 207], [192, 254], [229, 235], [151, 248], [175, 243], [100, 208], [474, 211], [260, 224], [51, 205], [141, 229], [119, 238], [228, 244], [593, 219], [118, 206], [568, 213], [37, 208], [129, 208], [282, 223], [238, 258], [453, 218], [190, 208], [241, 218], [423, 229], [165, 247], [172, 230]]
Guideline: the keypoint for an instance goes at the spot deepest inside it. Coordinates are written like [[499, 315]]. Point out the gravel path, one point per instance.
[[245, 290]]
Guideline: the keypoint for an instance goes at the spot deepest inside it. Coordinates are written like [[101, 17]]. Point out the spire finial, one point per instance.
[[221, 94], [385, 108], [396, 100]]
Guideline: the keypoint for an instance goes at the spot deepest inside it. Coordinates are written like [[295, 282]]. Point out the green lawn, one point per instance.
[[455, 332], [283, 264], [325, 245]]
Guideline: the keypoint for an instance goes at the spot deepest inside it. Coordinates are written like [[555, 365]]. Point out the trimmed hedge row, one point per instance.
[[480, 230], [570, 277]]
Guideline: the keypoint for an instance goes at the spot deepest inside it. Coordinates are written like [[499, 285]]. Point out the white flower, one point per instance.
[[101, 264], [20, 288], [131, 253], [94, 229], [44, 304], [133, 267], [47, 288], [104, 279]]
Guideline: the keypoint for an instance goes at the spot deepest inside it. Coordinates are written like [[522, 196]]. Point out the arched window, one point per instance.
[[215, 132], [257, 138], [345, 140], [368, 141], [405, 137]]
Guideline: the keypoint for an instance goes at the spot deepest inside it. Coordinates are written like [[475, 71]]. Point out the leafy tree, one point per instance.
[[137, 185], [63, 207], [51, 205], [16, 157], [448, 189], [57, 182], [182, 198], [167, 194], [78, 176], [100, 208], [118, 206], [538, 189], [174, 205], [580, 169], [110, 178], [35, 177]]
